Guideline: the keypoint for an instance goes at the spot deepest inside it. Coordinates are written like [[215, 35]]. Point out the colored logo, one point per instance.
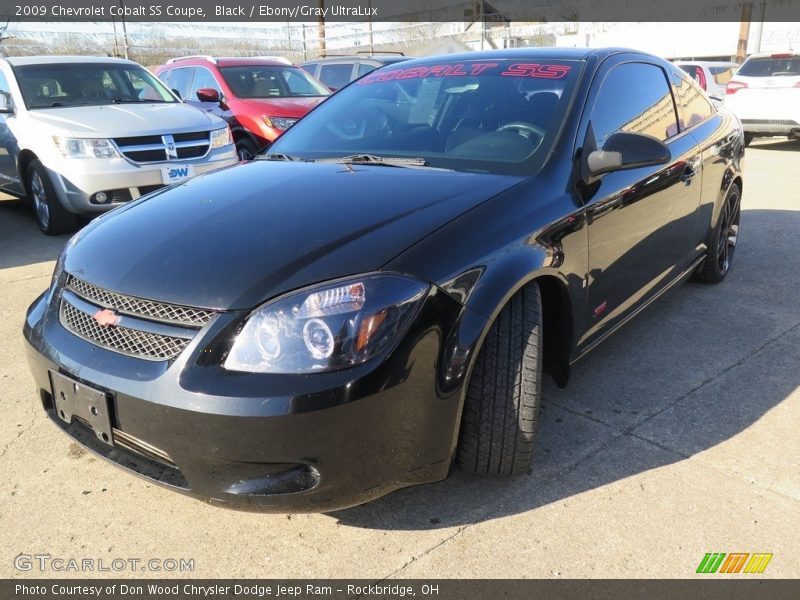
[[106, 317], [179, 172], [737, 562]]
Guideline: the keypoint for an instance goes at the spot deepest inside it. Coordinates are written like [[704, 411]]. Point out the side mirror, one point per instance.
[[177, 93], [5, 103], [208, 95], [623, 151]]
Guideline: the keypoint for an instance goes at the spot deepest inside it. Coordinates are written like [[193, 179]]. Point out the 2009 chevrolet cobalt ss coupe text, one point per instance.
[[377, 297]]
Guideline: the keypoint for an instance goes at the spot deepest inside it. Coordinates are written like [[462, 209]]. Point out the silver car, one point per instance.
[[82, 135], [712, 76]]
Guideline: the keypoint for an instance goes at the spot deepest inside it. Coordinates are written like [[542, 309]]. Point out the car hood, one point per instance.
[[283, 107], [122, 120], [236, 237]]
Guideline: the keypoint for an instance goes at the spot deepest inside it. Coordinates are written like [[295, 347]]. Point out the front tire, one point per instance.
[[501, 409], [51, 216], [245, 148], [719, 255]]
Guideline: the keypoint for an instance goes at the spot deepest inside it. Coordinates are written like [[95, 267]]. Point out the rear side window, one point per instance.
[[771, 67], [337, 75], [721, 75], [310, 67], [634, 98], [3, 83], [696, 73], [692, 102], [364, 68]]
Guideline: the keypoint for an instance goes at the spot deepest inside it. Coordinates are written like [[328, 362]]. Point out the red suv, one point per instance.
[[259, 97]]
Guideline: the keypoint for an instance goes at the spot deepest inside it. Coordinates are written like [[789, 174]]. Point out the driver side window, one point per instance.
[[634, 98]]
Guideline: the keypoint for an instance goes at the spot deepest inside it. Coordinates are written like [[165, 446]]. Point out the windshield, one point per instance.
[[260, 81], [496, 116], [88, 84], [771, 67]]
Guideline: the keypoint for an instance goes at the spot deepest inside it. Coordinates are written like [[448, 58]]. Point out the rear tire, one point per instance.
[[51, 216], [719, 255], [502, 405]]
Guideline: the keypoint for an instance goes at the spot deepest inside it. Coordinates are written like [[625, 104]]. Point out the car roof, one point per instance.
[[231, 61], [782, 54], [50, 60], [383, 59], [707, 63]]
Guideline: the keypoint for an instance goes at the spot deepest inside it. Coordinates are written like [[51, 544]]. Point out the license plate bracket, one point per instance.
[[72, 398]]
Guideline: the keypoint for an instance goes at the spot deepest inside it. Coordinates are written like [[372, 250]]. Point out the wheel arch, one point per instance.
[[26, 157]]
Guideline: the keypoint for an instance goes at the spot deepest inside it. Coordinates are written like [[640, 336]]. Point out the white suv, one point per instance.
[[81, 135], [765, 95]]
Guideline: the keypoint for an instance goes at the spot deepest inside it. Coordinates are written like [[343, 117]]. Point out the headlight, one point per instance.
[[282, 123], [85, 147], [221, 137], [327, 327]]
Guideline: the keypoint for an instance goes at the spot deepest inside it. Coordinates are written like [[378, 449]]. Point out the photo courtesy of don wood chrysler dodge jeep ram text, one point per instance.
[[377, 297]]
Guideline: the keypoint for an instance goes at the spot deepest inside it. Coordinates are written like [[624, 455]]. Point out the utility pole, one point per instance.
[[321, 30], [762, 10], [124, 29], [305, 48], [371, 41], [744, 32]]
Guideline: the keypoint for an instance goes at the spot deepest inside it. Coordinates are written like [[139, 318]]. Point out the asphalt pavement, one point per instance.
[[675, 438]]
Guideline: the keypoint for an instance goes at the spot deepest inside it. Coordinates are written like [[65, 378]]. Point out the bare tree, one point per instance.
[[3, 36]]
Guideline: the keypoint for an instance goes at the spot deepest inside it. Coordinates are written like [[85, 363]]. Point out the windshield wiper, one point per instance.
[[372, 159]]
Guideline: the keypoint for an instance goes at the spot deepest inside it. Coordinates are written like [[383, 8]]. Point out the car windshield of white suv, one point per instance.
[[771, 66], [88, 84], [496, 116], [261, 81]]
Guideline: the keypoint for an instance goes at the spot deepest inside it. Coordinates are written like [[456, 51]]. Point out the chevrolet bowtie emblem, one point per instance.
[[106, 317]]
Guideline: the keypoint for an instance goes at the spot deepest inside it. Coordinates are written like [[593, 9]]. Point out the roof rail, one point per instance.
[[180, 58], [380, 52]]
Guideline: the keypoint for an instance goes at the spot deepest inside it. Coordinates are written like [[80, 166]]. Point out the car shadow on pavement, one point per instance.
[[21, 241], [771, 144], [694, 370]]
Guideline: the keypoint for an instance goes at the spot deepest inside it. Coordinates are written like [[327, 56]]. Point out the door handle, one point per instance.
[[688, 174]]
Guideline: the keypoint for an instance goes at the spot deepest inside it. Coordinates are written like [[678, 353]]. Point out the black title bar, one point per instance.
[[490, 11]]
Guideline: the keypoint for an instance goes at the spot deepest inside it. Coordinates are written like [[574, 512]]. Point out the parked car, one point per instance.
[[337, 71], [765, 95], [712, 76], [260, 98], [379, 294], [84, 135]]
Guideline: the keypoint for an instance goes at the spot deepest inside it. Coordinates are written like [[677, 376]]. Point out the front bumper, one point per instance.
[[280, 443], [77, 180]]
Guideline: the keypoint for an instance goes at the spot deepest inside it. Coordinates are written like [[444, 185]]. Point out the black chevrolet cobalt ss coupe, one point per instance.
[[377, 297]]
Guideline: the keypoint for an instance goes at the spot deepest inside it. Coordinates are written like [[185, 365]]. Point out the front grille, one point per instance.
[[139, 307], [159, 148], [133, 342]]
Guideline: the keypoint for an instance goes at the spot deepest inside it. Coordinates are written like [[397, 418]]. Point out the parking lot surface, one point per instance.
[[677, 437]]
